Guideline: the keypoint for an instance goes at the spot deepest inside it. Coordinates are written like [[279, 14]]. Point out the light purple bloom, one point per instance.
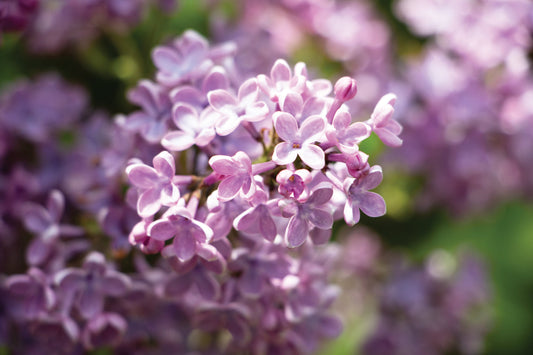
[[234, 110], [311, 212], [91, 284], [156, 185], [44, 222], [152, 121], [194, 129], [382, 123], [186, 60], [191, 237], [282, 87], [104, 330], [347, 136], [236, 173], [359, 198], [294, 183], [298, 141]]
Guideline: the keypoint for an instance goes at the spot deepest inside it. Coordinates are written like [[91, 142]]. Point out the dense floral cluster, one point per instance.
[[263, 165]]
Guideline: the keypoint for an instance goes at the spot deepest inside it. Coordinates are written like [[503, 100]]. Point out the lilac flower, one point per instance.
[[194, 129], [152, 121], [37, 110], [257, 219], [359, 198], [312, 212], [294, 183], [236, 173], [382, 124], [44, 222], [156, 184], [299, 141], [190, 236], [186, 60], [31, 294], [347, 136], [139, 235], [282, 87], [90, 284], [234, 110], [104, 330]]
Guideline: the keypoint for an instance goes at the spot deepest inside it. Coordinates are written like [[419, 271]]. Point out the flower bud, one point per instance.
[[345, 89]]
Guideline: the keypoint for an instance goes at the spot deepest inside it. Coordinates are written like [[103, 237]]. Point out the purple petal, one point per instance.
[[90, 303], [149, 202], [292, 103], [164, 164], [170, 194], [177, 141], [207, 285], [280, 71], [216, 79], [248, 92], [221, 100], [351, 213], [142, 176], [321, 194], [267, 226], [185, 117], [372, 204], [38, 251], [202, 232], [246, 220], [286, 126], [229, 187], [297, 231], [55, 205], [373, 179], [313, 156], [223, 165], [177, 286], [341, 120], [284, 153], [184, 246], [388, 138], [162, 230], [165, 59], [251, 282], [227, 123], [115, 283], [321, 219], [255, 112], [312, 128], [36, 218]]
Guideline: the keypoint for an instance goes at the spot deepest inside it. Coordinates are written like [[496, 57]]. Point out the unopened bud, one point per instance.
[[345, 89]]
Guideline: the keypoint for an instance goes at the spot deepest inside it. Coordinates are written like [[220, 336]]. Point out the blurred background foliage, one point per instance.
[[502, 236]]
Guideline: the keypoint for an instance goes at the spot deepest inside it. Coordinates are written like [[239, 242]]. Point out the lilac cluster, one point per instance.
[[51, 26], [469, 120], [233, 183], [434, 309]]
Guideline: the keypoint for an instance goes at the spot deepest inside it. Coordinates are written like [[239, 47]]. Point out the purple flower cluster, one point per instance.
[[234, 182], [469, 120], [51, 26], [432, 309]]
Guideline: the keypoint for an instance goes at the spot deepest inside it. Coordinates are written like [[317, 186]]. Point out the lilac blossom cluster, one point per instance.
[[470, 119], [436, 308], [234, 184], [50, 26]]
